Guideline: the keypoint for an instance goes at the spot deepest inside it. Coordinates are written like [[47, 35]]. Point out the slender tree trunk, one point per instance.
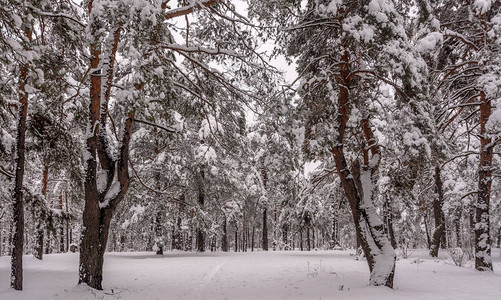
[[236, 238], [457, 225], [483, 260], [224, 243], [425, 219], [253, 233], [158, 233], [308, 239], [201, 202], [40, 230], [61, 225], [19, 162], [499, 237], [388, 221], [301, 239], [265, 229], [439, 234], [67, 223], [18, 207]]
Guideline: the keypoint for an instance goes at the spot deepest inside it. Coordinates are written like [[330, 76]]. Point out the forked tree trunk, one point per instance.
[[358, 185], [483, 260], [18, 207], [101, 199]]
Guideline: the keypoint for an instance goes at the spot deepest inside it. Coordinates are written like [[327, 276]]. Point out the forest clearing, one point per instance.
[[250, 149], [252, 275]]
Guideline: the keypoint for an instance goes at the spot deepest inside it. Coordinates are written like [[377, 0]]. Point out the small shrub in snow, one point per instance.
[[458, 257]]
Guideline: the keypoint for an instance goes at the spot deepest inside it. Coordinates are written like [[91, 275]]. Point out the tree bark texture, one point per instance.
[[483, 259], [358, 185], [438, 237], [18, 207], [101, 199]]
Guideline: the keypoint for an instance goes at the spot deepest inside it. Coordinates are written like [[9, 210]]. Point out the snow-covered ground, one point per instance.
[[251, 275]]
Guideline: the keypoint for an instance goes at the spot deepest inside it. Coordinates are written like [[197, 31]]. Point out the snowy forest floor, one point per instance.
[[251, 275]]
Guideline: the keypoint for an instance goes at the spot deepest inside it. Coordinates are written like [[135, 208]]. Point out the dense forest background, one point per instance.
[[141, 125]]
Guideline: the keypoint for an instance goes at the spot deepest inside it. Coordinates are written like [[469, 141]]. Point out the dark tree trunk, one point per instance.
[[201, 203], [158, 233], [483, 260], [67, 222], [224, 243], [18, 207], [61, 225], [301, 239], [265, 230], [457, 225], [236, 238], [388, 221], [499, 237], [439, 234], [253, 233], [308, 239]]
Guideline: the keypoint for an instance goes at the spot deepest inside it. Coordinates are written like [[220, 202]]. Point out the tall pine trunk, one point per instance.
[[358, 183], [18, 207], [483, 260], [101, 199]]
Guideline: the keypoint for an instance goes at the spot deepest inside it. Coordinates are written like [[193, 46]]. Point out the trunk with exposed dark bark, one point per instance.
[[483, 260], [18, 206], [439, 238], [358, 182]]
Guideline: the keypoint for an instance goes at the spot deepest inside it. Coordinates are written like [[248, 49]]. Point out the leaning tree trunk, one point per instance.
[[438, 237], [18, 207], [483, 260], [358, 183]]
